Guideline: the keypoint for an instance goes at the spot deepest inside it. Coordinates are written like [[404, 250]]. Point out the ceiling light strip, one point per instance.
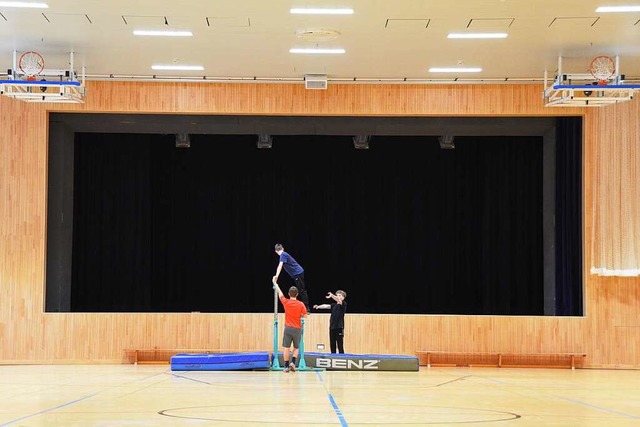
[[630, 8], [163, 33], [317, 50], [320, 11], [477, 36], [23, 4], [177, 67], [455, 70]]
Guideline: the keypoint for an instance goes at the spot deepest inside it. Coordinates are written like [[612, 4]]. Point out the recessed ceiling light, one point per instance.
[[618, 9], [23, 4], [317, 50], [454, 70], [321, 11], [477, 36], [177, 67], [166, 33]]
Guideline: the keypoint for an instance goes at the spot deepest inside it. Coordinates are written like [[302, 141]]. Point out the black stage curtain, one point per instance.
[[404, 227], [569, 297]]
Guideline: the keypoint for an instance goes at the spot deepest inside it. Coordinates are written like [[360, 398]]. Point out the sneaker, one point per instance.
[[292, 367], [286, 369]]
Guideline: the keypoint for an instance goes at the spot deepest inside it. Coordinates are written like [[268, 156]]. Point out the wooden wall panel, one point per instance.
[[609, 334]]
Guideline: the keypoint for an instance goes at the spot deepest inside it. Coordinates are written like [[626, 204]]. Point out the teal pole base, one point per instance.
[[302, 365], [275, 363]]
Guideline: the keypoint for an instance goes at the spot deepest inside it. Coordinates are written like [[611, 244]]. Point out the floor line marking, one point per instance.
[[334, 404], [44, 411], [600, 408], [578, 402]]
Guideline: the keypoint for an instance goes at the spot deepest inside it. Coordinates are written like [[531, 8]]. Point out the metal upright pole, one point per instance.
[[14, 71], [275, 364], [559, 77], [72, 76], [301, 362]]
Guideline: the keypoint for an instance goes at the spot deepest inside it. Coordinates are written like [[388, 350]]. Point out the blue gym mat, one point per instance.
[[221, 361]]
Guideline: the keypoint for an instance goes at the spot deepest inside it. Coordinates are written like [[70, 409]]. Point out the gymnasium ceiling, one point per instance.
[[388, 40]]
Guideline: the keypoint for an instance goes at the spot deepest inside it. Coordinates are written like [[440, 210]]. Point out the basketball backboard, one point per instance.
[[603, 84]]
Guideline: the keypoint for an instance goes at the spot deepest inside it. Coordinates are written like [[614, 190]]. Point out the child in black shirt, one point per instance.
[[336, 321]]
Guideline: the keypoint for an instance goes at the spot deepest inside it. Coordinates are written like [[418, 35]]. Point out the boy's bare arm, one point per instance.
[[334, 297], [278, 270], [276, 287]]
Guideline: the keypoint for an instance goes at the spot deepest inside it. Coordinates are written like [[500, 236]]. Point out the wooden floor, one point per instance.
[[153, 395]]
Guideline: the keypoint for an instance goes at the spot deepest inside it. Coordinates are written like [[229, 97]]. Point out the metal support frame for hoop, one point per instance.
[[57, 92]]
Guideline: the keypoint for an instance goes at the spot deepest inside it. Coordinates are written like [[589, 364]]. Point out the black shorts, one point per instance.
[[291, 335]]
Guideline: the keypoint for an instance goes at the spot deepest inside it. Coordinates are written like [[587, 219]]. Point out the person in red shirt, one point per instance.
[[294, 310]]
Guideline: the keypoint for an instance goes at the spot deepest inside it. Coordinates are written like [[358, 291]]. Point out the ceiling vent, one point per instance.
[[315, 81]]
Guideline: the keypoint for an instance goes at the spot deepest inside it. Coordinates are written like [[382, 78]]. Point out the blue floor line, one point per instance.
[[336, 408], [588, 405], [600, 408], [44, 411], [343, 422]]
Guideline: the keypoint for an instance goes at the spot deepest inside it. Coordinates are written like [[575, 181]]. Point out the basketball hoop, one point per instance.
[[31, 64], [602, 68]]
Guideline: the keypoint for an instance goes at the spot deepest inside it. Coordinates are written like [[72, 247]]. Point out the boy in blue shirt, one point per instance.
[[294, 270]]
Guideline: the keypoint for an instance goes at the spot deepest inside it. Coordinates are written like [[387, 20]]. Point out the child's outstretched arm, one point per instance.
[[274, 280], [334, 297]]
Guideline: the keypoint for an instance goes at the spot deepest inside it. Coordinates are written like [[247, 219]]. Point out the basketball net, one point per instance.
[[602, 68], [31, 64]]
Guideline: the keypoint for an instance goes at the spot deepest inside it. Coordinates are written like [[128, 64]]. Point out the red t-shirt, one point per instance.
[[293, 311]]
